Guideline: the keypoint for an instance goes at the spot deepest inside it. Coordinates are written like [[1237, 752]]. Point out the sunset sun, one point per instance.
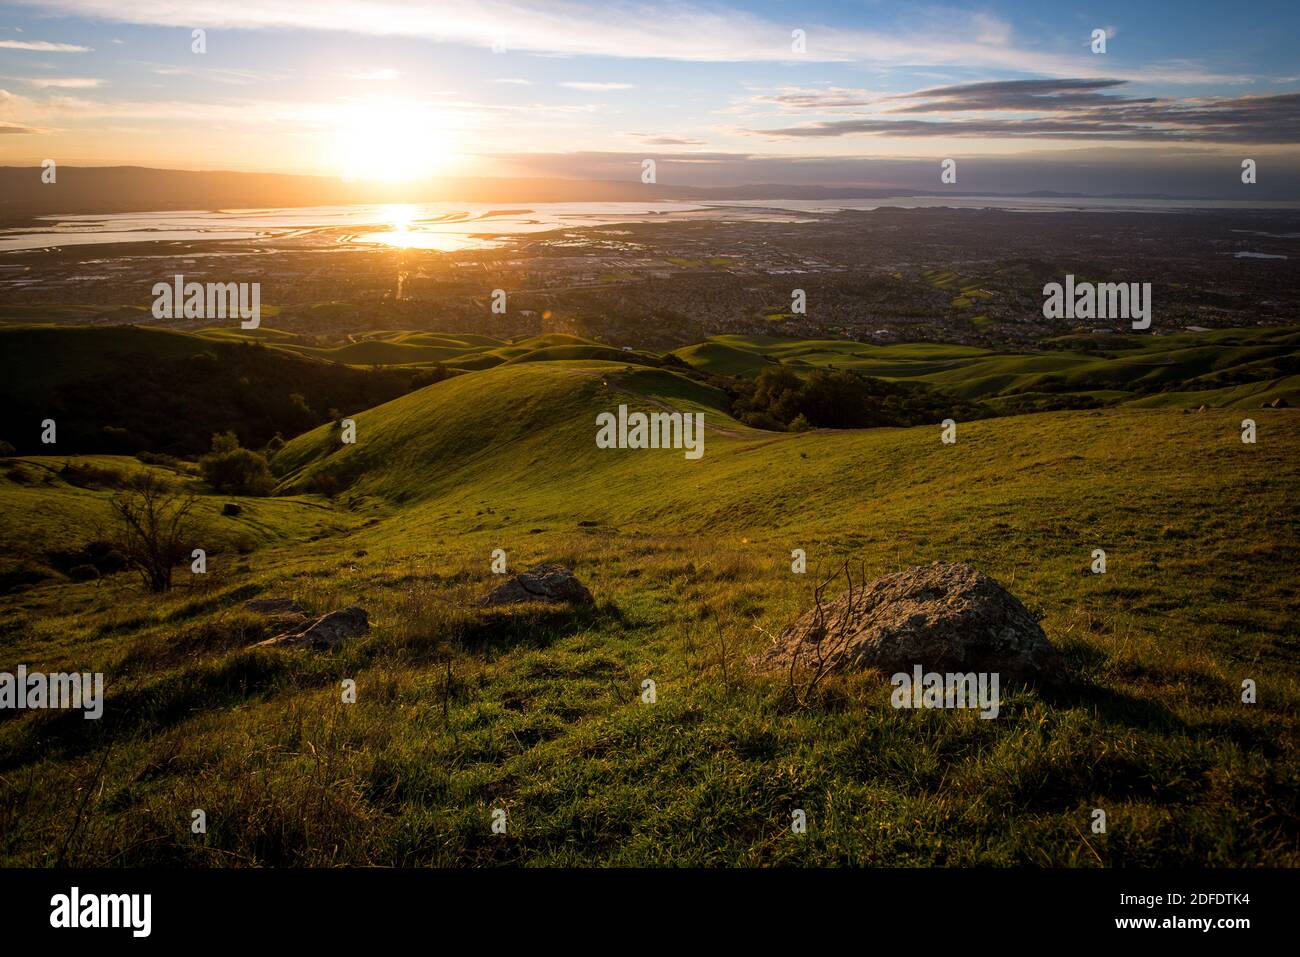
[[390, 141]]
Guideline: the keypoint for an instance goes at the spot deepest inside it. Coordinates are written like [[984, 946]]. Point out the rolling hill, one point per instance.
[[461, 710], [1238, 368]]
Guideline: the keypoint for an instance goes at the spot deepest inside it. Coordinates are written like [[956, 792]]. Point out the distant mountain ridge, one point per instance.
[[120, 189]]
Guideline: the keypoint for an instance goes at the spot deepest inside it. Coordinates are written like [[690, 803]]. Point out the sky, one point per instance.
[[839, 93]]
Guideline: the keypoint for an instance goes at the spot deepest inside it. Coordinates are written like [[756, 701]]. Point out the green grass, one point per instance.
[[461, 710]]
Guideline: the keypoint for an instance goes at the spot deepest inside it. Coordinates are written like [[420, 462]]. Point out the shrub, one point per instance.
[[780, 399], [86, 475], [234, 470]]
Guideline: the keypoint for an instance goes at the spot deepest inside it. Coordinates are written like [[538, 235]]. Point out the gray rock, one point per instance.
[[326, 632], [943, 616], [549, 583]]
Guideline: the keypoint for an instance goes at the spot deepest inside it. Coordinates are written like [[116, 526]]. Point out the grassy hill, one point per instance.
[[461, 710], [1231, 368], [125, 389]]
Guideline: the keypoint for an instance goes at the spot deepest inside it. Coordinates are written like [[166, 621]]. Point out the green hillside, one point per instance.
[[1226, 368], [461, 709]]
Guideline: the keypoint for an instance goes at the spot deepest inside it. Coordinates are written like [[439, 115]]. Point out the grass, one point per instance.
[[460, 711]]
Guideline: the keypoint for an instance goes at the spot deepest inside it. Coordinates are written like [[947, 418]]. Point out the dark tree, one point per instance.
[[153, 520]]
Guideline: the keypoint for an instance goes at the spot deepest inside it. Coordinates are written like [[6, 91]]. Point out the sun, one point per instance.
[[390, 140]]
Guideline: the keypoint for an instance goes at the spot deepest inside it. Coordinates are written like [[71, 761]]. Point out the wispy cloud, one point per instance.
[[596, 87], [621, 29], [43, 46], [62, 83], [236, 77], [1017, 96], [654, 139], [816, 100]]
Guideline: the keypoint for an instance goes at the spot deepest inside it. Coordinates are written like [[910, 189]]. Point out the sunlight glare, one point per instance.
[[390, 141]]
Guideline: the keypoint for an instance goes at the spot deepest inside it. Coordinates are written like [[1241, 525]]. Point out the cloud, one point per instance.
[[687, 30], [43, 46], [1017, 95], [513, 81], [6, 128], [236, 77], [596, 87], [703, 31], [64, 83], [817, 100], [1069, 109], [652, 139]]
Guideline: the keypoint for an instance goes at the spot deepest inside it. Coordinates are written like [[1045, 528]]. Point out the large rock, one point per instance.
[[945, 617], [326, 632], [553, 584]]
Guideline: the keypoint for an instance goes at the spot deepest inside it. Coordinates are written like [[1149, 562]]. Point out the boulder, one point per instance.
[[550, 583], [945, 617], [325, 633]]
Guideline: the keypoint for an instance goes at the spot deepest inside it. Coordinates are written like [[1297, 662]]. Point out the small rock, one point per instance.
[[231, 508], [550, 583], [326, 632]]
